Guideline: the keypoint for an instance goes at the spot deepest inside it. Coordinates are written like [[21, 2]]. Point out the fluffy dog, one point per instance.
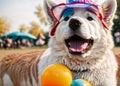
[[80, 39]]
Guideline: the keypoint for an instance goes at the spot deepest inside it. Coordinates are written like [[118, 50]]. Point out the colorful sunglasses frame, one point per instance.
[[88, 6]]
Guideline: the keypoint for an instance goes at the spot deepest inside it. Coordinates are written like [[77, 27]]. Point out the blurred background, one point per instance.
[[23, 24]]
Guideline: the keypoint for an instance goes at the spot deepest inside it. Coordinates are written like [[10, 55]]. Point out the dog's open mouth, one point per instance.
[[77, 45]]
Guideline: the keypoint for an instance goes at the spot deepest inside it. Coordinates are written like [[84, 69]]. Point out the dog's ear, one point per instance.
[[47, 7], [109, 9], [52, 15]]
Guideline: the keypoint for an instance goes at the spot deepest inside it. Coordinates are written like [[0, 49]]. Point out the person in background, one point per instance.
[[1, 43], [7, 42], [28, 43], [117, 38], [40, 40]]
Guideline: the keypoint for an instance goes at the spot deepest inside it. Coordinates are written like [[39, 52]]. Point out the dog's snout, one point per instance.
[[74, 24]]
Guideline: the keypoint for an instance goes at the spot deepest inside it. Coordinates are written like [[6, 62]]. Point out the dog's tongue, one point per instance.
[[78, 46]]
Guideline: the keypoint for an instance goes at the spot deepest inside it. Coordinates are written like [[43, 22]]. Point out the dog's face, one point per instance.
[[81, 33]]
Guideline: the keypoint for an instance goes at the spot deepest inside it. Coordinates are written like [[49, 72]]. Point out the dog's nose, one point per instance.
[[74, 24]]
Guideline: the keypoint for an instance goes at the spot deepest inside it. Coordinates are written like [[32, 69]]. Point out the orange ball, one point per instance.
[[56, 75]]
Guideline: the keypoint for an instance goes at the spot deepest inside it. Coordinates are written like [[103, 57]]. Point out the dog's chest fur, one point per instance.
[[97, 72]]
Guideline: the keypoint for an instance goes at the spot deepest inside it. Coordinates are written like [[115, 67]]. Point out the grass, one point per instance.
[[4, 52], [116, 50]]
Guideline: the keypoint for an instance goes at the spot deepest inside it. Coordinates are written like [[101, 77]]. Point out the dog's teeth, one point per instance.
[[69, 44]]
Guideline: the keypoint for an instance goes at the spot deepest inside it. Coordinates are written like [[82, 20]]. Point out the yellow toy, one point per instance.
[[56, 75]]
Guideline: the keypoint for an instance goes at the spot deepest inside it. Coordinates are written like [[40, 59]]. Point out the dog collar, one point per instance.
[[78, 71]]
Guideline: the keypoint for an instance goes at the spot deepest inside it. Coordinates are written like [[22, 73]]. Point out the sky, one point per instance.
[[19, 12]]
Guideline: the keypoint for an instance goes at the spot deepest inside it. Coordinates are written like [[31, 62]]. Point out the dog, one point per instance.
[[80, 38]]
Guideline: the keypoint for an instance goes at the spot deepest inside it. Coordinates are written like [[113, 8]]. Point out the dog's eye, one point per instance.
[[67, 13], [66, 18], [89, 18]]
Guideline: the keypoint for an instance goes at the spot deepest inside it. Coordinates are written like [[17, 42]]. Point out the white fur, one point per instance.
[[99, 59], [7, 80]]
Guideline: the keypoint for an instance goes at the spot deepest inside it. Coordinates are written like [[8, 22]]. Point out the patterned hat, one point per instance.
[[79, 3], [58, 9]]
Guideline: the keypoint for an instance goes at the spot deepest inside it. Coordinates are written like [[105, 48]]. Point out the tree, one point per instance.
[[40, 14], [35, 29], [4, 26], [23, 28], [116, 26]]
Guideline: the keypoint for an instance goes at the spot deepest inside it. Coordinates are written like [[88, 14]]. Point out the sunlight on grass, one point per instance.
[[6, 52]]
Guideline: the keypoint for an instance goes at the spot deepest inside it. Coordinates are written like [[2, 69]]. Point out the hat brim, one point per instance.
[[79, 5]]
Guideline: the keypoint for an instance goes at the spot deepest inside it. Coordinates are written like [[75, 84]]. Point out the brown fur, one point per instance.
[[20, 67], [118, 59]]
